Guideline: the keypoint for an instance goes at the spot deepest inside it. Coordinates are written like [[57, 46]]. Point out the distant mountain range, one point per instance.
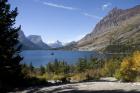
[[120, 29], [37, 40], [69, 46], [56, 44], [32, 42]]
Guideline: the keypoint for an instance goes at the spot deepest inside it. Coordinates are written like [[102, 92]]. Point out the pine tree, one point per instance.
[[10, 68], [42, 70], [81, 65], [31, 67]]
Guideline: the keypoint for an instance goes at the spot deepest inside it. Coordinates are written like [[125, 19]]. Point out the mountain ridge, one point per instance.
[[36, 39], [28, 44], [56, 44], [110, 26]]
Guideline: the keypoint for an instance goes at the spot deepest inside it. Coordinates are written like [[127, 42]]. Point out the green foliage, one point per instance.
[[57, 67], [81, 65], [31, 68], [94, 63], [110, 67], [83, 70], [42, 70], [119, 48], [127, 69], [10, 68]]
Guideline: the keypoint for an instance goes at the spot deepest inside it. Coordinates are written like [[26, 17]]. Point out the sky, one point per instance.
[[64, 20]]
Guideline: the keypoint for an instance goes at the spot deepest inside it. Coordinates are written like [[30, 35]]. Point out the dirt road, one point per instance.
[[106, 85]]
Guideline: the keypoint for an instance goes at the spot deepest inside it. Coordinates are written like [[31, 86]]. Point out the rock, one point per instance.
[[56, 44], [26, 43], [36, 39], [119, 25]]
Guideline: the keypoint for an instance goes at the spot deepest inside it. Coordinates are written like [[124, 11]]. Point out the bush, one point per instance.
[[93, 74], [130, 68], [110, 68], [79, 77]]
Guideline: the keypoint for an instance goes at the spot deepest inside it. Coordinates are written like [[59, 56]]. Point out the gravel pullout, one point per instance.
[[108, 86]]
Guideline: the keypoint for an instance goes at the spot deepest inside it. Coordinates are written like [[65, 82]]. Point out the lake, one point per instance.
[[42, 57]]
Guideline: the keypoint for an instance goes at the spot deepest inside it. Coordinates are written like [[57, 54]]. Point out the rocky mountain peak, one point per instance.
[[115, 10], [35, 38], [21, 35], [115, 20], [56, 44], [26, 43]]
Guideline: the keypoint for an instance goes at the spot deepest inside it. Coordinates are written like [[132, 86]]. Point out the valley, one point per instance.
[[50, 48]]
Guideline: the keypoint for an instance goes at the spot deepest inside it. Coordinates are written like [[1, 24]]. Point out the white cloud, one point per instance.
[[106, 5], [59, 6], [71, 8], [92, 16]]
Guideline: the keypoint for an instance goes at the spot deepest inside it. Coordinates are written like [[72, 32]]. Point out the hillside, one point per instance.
[[117, 31]]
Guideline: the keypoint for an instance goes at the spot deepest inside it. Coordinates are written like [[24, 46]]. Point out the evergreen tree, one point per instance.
[[10, 68], [31, 67], [42, 70], [81, 65], [50, 68]]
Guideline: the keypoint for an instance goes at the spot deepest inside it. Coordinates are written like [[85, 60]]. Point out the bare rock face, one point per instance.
[[33, 42], [56, 44], [69, 46], [108, 21], [36, 39], [117, 25], [26, 43]]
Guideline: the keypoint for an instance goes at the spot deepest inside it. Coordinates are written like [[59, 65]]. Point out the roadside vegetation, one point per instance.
[[124, 69], [11, 76], [14, 74], [129, 69]]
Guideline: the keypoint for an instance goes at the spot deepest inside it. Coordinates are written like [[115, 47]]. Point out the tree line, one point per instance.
[[125, 69], [14, 74]]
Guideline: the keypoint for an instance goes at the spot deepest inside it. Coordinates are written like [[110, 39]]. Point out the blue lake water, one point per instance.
[[42, 57]]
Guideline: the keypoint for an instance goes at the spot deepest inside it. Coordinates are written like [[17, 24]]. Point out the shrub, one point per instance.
[[79, 77], [130, 68], [93, 74], [109, 68]]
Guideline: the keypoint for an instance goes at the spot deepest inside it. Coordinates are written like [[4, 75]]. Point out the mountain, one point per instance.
[[37, 40], [119, 30], [68, 46], [56, 44], [26, 43]]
